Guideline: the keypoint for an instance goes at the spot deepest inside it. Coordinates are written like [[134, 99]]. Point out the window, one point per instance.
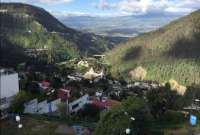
[[74, 106]]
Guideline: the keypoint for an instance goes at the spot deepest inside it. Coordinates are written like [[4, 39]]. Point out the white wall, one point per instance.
[[54, 105], [79, 102], [31, 106], [43, 107], [9, 85]]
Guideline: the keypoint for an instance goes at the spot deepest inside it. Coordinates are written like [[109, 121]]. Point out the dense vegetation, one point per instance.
[[154, 113], [29, 27], [169, 52]]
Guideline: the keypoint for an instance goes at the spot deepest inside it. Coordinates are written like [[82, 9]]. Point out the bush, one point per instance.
[[164, 99], [17, 105], [63, 110], [115, 121], [173, 117], [180, 89], [90, 112], [138, 73]]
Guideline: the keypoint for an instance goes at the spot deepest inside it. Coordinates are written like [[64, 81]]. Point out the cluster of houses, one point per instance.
[[102, 99], [63, 96], [43, 107]]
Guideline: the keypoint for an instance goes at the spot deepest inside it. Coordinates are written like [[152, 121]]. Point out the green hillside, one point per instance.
[[169, 52], [30, 27]]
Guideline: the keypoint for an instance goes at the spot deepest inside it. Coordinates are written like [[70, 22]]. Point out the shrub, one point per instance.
[[90, 112], [17, 105], [174, 86], [138, 73], [115, 121], [164, 99], [63, 110]]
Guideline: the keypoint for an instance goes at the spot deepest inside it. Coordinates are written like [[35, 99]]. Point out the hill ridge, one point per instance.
[[164, 52], [29, 26]]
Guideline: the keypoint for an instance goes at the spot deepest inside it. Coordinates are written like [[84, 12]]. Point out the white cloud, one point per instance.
[[130, 7], [62, 14], [178, 10], [40, 1], [103, 4], [54, 1], [138, 7]]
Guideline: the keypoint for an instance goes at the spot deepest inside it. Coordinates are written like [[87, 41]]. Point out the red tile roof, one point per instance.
[[45, 84], [63, 94], [105, 103]]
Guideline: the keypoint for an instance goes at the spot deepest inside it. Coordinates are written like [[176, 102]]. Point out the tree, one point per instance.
[[17, 105], [138, 73], [56, 82], [116, 120], [163, 99], [193, 92], [90, 112], [173, 84], [64, 112]]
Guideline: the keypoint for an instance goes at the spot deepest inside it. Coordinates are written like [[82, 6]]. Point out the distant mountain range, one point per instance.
[[121, 26], [172, 51], [25, 27]]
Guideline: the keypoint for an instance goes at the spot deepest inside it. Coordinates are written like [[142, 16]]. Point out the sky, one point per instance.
[[115, 7]]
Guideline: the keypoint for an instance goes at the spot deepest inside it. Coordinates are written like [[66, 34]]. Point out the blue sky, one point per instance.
[[115, 7]]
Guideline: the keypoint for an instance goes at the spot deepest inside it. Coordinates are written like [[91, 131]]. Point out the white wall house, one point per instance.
[[31, 106], [54, 105], [9, 84], [78, 104], [44, 107], [9, 87]]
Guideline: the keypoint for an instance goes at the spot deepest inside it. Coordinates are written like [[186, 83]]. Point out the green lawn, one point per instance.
[[185, 130], [174, 128], [32, 127], [36, 126]]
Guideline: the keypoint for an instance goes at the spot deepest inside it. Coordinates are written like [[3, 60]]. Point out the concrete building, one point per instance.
[[78, 104], [31, 106], [83, 63], [43, 107], [9, 87]]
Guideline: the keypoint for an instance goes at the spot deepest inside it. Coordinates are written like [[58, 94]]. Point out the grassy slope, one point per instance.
[[25, 26], [30, 127], [170, 52]]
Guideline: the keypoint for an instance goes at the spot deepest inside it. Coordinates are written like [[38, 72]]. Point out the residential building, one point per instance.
[[31, 106], [9, 87], [83, 63], [44, 85], [63, 94], [43, 107], [99, 56], [78, 104], [104, 103]]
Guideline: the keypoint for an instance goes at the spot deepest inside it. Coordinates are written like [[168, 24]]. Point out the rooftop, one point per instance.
[[6, 71], [105, 103]]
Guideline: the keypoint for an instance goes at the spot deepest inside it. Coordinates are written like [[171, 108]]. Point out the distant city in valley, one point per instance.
[[124, 26]]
